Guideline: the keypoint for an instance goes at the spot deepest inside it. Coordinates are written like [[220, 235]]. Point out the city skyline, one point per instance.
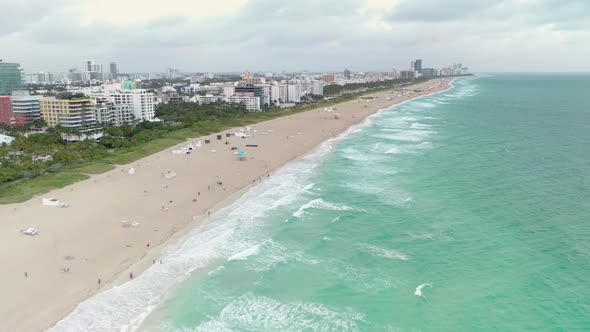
[[232, 36]]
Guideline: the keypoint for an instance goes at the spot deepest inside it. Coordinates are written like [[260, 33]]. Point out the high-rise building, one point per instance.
[[11, 78], [347, 74], [26, 105], [6, 115], [40, 78], [251, 103], [294, 92], [113, 69], [248, 90], [407, 74], [229, 90], [115, 114], [317, 88], [266, 94], [140, 101], [429, 72], [75, 113], [87, 66], [329, 78], [172, 73], [418, 65]]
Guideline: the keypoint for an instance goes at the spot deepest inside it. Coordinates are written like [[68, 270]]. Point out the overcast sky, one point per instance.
[[315, 35]]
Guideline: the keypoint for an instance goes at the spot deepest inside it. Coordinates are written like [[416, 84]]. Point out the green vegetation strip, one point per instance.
[[90, 168], [20, 191]]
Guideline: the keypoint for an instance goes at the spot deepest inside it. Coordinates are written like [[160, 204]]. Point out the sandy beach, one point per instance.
[[116, 222]]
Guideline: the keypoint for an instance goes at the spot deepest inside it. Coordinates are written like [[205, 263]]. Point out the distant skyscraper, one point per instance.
[[347, 74], [171, 72], [87, 66], [113, 69], [418, 65], [11, 78]]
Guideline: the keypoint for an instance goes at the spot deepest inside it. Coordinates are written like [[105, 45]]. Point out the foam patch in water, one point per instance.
[[259, 313], [385, 253], [319, 203]]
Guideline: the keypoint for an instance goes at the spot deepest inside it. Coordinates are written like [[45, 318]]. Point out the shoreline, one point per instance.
[[176, 231]]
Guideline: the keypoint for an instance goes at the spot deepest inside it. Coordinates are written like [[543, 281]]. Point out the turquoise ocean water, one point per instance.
[[462, 211]]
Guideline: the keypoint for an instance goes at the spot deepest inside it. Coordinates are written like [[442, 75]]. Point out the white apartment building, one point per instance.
[[317, 88], [141, 102], [115, 114], [266, 94], [40, 78], [229, 90], [294, 92], [252, 103], [278, 93]]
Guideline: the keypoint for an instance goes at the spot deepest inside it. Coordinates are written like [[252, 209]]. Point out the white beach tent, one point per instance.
[[51, 202], [32, 231]]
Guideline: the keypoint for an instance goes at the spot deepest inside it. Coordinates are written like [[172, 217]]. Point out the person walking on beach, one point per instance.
[[130, 275], [26, 274], [99, 281]]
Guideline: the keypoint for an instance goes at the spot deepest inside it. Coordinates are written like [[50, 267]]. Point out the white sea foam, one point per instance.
[[418, 291], [395, 150], [257, 313], [326, 238], [217, 270], [422, 104], [335, 219], [319, 203], [403, 148], [417, 125], [407, 135], [425, 236], [385, 253], [397, 198], [243, 255], [389, 196], [268, 254]]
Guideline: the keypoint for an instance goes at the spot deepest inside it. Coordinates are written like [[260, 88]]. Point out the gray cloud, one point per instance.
[[444, 10], [307, 34], [16, 15]]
